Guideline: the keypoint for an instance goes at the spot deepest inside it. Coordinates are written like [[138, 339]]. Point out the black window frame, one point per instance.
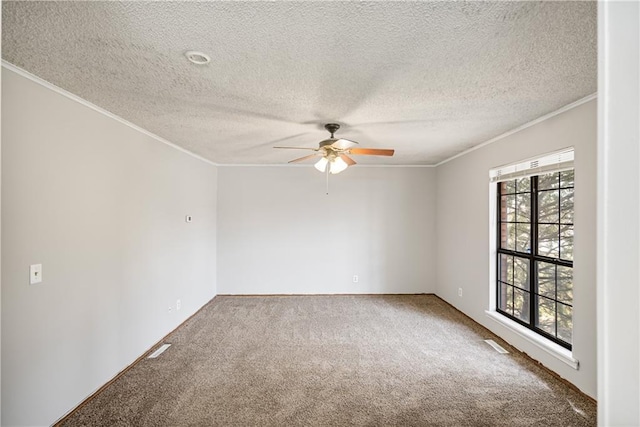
[[533, 258]]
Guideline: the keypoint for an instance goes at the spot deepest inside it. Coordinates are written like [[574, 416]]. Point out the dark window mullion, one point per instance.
[[499, 246], [559, 234], [552, 260], [533, 278], [555, 295], [534, 257]]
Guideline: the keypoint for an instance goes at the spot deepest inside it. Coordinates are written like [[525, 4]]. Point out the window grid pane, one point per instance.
[[535, 254]]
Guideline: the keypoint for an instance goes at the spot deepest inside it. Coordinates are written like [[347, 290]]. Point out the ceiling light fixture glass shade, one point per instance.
[[321, 165], [338, 165]]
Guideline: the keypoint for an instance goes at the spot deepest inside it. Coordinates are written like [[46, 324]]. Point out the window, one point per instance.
[[535, 252]]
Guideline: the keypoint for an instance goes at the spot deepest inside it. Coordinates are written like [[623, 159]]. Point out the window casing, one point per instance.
[[535, 253]]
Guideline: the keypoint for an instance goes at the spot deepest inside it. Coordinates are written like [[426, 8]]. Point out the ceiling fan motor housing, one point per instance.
[[327, 142]]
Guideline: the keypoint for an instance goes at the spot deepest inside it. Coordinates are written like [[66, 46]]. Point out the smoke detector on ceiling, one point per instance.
[[197, 58]]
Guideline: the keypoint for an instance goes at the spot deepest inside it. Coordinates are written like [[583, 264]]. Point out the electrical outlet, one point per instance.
[[355, 278], [178, 304], [459, 292], [35, 274], [169, 310]]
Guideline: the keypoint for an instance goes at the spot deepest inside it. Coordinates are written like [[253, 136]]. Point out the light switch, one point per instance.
[[188, 218], [35, 274]]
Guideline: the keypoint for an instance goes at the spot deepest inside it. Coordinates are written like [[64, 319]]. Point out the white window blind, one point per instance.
[[553, 162]]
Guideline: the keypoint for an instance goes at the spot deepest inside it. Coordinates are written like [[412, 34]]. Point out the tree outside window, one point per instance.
[[535, 253]]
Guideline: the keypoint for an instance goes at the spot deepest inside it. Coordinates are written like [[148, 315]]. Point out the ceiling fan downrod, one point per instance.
[[332, 128]]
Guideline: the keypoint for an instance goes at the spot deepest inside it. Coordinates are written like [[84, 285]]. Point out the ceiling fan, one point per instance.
[[333, 152]]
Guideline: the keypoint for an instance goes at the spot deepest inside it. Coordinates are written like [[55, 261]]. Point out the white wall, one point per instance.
[[0, 229], [102, 207], [619, 214], [463, 254], [279, 233]]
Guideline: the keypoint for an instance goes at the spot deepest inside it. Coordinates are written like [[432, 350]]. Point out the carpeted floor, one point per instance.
[[332, 361]]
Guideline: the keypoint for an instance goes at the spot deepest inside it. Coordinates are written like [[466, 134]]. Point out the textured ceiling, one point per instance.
[[429, 79]]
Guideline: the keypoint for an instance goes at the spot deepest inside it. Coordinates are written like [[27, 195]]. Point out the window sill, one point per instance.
[[550, 347]]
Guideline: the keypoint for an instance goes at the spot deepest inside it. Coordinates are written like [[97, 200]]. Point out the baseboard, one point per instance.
[[125, 370], [491, 334], [514, 349], [323, 294]]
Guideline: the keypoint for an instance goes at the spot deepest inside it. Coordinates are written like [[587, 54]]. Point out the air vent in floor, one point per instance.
[[496, 346], [159, 351]]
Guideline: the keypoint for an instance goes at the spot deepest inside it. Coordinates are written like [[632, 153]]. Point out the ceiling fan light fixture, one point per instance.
[[321, 164], [338, 165], [335, 152]]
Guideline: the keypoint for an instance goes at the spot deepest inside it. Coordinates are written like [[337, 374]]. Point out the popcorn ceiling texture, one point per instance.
[[429, 79]]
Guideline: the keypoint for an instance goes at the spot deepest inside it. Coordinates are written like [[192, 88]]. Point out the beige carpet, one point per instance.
[[333, 361]]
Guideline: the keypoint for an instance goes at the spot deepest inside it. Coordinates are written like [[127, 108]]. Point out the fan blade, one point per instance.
[[348, 160], [283, 139], [343, 144], [299, 148], [301, 159], [372, 151]]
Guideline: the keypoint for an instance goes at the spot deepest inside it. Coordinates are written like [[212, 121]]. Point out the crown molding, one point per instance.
[[76, 98], [9, 66], [277, 165], [523, 127]]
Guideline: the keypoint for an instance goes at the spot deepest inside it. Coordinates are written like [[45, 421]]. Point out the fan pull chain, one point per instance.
[[327, 179]]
